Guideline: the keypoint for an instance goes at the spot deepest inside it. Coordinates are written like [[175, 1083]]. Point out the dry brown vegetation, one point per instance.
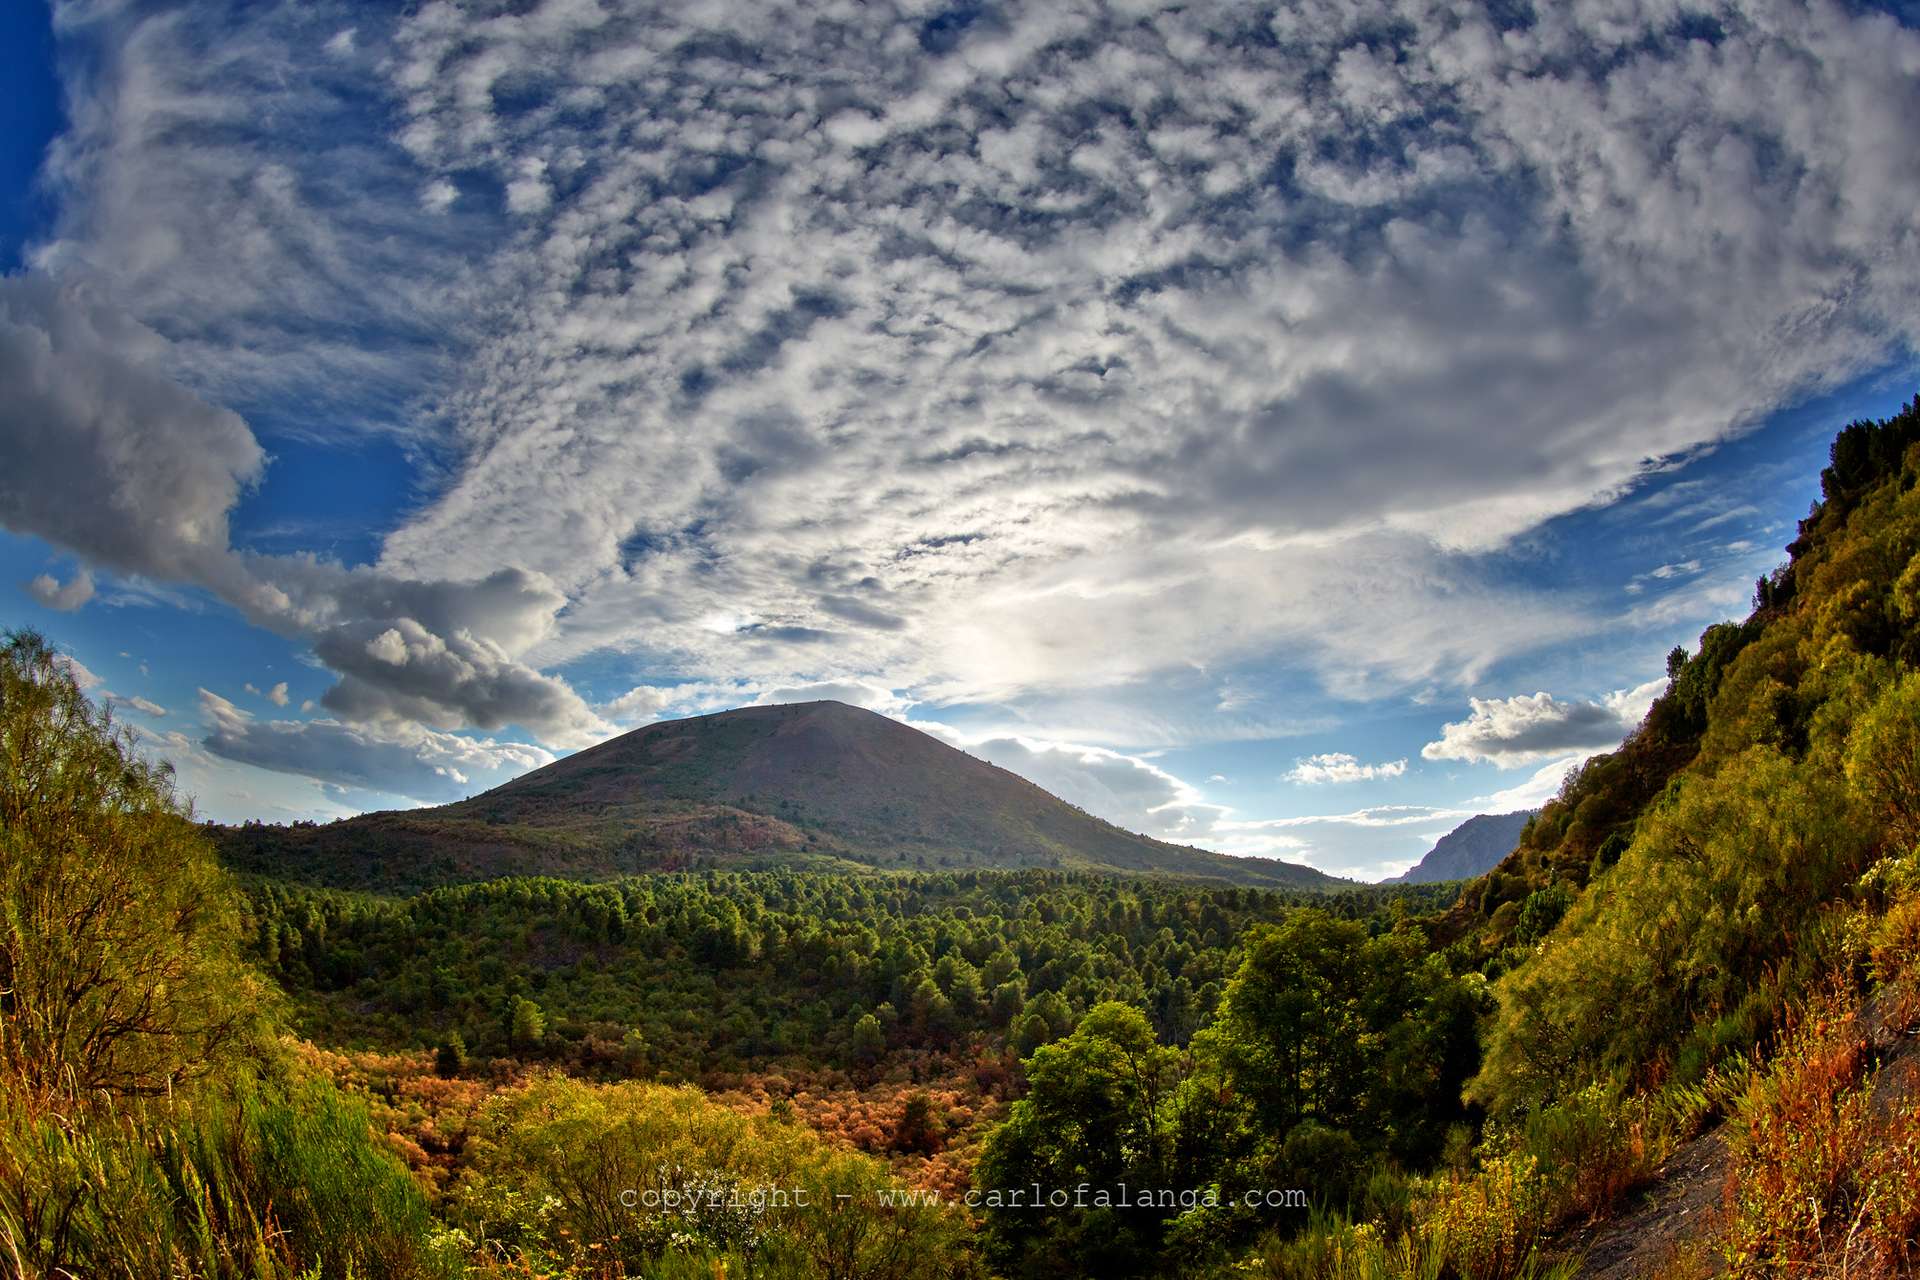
[[428, 1118]]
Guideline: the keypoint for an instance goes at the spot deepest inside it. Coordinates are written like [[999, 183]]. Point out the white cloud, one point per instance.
[[1529, 727], [95, 687], [1128, 791], [640, 704], [389, 647], [529, 193], [1084, 351], [83, 677], [278, 694], [438, 196], [645, 702], [64, 597], [852, 692], [1338, 766], [143, 705], [1363, 843], [397, 760], [1543, 786], [1710, 598]]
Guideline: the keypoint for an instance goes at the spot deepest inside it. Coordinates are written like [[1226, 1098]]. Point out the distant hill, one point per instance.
[[816, 784], [1471, 849]]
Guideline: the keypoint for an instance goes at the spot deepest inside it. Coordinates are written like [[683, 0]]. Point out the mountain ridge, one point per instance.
[[813, 784], [1471, 849]]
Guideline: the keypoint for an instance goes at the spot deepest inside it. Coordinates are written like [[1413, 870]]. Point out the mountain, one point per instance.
[[1471, 849], [814, 784]]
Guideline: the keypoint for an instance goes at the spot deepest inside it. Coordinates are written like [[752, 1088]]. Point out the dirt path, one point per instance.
[[1678, 1208]]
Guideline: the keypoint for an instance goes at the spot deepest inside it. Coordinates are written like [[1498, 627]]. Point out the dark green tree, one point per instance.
[[1095, 1116]]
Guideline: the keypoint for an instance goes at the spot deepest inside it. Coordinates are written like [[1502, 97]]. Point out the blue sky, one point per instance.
[[1286, 432]]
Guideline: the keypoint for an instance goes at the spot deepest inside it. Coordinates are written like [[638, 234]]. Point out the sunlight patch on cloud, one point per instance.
[[1525, 728], [1338, 766]]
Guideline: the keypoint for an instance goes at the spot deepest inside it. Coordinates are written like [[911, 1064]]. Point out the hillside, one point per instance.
[[817, 784], [1720, 920], [1471, 849], [1847, 592]]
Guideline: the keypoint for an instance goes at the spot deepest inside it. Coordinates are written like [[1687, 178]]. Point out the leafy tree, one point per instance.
[[869, 1040], [450, 1059], [1883, 762], [526, 1024], [921, 1129], [119, 968], [1096, 1114], [1032, 1032], [1293, 1032], [633, 1049], [1541, 911], [1009, 1001]]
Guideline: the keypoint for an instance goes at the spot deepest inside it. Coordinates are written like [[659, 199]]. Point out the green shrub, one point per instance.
[[246, 1180], [648, 1178]]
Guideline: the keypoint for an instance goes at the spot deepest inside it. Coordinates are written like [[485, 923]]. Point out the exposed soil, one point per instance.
[[1679, 1210]]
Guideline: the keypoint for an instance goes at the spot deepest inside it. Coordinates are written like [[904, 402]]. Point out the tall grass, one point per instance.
[[1490, 1248], [249, 1179]]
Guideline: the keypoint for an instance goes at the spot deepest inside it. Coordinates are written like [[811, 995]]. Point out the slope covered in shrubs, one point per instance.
[[1686, 935]]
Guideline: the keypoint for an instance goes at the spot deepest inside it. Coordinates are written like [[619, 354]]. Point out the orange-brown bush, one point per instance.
[[1823, 1180]]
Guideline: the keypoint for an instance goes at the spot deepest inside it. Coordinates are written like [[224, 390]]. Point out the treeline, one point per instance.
[[725, 970]]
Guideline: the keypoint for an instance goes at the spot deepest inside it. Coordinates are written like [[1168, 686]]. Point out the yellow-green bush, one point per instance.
[[119, 939], [1493, 1220], [639, 1179], [1723, 881]]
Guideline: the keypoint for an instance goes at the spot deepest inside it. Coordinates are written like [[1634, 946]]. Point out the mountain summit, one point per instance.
[[799, 784], [1473, 848]]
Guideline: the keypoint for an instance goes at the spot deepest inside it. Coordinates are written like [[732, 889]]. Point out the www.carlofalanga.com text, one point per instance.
[[1033, 1196]]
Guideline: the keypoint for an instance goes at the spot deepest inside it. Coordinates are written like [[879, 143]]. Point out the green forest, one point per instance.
[[1709, 936], [732, 970]]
